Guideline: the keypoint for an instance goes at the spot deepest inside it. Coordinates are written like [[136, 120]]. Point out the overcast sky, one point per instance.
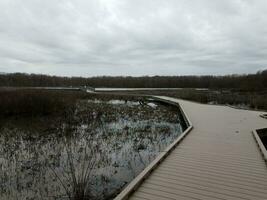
[[133, 37]]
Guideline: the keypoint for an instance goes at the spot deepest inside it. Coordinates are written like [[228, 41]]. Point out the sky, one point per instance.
[[133, 37]]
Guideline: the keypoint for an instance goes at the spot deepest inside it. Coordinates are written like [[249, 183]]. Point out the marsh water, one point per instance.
[[99, 150]]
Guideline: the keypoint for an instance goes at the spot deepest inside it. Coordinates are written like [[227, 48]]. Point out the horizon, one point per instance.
[[99, 76]]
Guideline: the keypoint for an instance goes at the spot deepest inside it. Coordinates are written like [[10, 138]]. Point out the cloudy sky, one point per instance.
[[133, 37]]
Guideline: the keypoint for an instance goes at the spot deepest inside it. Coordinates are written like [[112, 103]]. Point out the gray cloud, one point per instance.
[[126, 37]]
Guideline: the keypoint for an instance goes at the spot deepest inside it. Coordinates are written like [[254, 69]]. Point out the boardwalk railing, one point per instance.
[[147, 171]]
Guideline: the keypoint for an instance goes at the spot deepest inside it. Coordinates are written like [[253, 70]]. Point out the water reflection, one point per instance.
[[89, 158]]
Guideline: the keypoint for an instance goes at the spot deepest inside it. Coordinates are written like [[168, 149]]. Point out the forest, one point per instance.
[[247, 90], [246, 82]]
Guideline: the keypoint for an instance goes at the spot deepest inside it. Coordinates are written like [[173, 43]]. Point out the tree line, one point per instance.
[[249, 82]]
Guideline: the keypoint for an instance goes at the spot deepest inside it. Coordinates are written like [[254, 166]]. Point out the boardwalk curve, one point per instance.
[[218, 159]]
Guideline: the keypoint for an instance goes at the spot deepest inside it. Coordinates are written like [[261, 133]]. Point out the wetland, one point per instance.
[[92, 150]]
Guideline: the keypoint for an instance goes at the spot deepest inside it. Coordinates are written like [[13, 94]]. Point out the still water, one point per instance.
[[95, 157]]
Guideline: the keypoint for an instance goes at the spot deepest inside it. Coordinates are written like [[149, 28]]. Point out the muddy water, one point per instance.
[[98, 156]]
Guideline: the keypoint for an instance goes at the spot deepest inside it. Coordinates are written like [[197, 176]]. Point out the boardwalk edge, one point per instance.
[[260, 144], [135, 183]]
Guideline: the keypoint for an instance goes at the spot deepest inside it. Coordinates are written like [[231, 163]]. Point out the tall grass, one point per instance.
[[82, 157], [33, 103]]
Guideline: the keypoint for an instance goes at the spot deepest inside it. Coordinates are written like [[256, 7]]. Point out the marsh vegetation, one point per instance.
[[244, 90], [231, 97], [263, 136], [71, 145]]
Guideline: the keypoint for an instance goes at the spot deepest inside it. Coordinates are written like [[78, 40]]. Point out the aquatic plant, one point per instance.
[[95, 150]]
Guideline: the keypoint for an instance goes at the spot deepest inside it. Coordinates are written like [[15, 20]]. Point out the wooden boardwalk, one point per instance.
[[218, 159]]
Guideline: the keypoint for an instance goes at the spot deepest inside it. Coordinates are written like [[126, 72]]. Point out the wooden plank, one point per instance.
[[208, 172], [218, 159], [145, 173], [218, 187], [237, 161], [190, 188], [215, 179], [220, 165], [212, 180], [193, 151]]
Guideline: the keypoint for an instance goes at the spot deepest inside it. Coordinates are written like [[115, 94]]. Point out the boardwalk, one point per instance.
[[218, 159]]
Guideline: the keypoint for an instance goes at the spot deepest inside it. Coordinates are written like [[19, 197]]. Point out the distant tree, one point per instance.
[[252, 82]]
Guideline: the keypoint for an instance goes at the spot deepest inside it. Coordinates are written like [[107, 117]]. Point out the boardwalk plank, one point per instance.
[[218, 188], [218, 159]]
